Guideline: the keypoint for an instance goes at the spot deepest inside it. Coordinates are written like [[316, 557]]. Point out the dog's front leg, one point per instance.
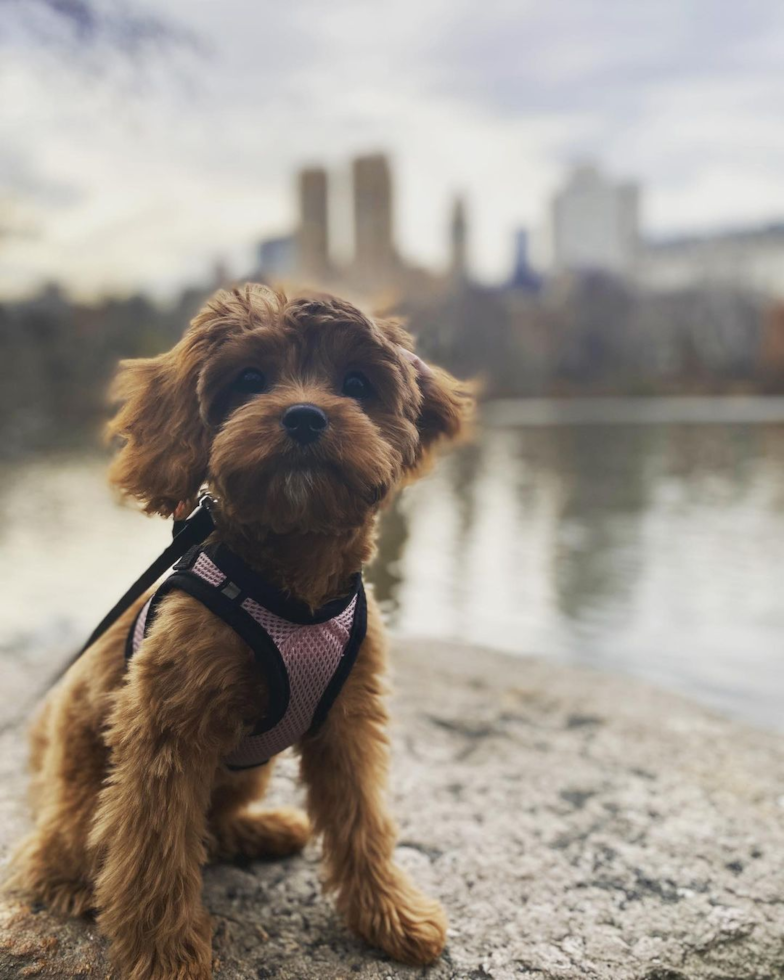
[[345, 770], [177, 713]]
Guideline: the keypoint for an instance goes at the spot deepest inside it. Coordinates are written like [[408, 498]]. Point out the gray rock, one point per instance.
[[575, 825]]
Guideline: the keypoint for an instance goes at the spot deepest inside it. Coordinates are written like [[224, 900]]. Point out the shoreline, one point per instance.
[[630, 410]]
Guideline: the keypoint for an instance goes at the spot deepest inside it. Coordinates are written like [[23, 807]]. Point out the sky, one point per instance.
[[138, 166]]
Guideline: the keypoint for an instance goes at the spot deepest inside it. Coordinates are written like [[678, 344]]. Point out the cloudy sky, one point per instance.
[[123, 170]]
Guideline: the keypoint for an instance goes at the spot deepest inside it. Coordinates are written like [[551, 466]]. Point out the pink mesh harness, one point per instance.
[[305, 657]]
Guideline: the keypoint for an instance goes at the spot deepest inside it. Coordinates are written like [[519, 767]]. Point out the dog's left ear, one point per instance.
[[447, 407], [447, 404]]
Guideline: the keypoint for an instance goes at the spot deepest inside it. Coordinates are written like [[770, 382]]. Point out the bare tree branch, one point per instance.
[[116, 24]]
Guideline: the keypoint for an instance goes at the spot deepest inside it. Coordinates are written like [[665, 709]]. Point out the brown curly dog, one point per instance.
[[130, 786]]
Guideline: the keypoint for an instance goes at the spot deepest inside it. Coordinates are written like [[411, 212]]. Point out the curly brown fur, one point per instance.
[[128, 789]]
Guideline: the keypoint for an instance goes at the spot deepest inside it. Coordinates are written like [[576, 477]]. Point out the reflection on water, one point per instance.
[[655, 549]]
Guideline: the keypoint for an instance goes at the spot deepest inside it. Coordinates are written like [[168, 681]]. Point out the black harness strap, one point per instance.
[[226, 603], [229, 609], [358, 631]]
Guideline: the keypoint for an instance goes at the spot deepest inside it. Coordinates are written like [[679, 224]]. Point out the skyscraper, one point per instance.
[[375, 262], [313, 232], [278, 257], [523, 276], [457, 240], [595, 223]]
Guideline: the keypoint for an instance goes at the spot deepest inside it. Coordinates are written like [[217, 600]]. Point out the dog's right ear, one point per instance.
[[164, 456]]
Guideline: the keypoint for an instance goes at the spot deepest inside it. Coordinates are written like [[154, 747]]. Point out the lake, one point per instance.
[[629, 538]]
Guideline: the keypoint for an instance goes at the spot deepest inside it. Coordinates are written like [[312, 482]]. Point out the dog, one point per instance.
[[302, 416]]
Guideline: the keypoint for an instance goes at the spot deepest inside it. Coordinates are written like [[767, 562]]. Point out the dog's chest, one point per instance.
[[305, 657]]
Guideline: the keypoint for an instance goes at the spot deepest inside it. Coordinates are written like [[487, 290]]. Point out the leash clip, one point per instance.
[[206, 500], [203, 511]]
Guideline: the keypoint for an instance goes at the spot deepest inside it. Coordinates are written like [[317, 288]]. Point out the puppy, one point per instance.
[[302, 417]]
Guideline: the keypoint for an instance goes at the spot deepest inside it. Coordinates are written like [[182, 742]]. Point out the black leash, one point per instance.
[[187, 533]]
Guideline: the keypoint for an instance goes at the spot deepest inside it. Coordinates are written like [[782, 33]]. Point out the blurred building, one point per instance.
[[595, 224], [458, 263], [524, 277], [278, 257], [375, 259], [313, 231], [749, 258]]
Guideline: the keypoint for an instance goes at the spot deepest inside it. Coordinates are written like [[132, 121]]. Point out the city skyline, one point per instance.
[[594, 227], [142, 180]]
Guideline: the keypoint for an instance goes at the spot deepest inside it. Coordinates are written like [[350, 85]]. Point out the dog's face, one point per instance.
[[303, 415]]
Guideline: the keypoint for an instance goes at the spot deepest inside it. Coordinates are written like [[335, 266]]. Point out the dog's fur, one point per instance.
[[128, 789]]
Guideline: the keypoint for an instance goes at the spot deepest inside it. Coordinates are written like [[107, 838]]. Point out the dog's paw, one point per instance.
[[187, 956], [36, 876], [401, 921], [187, 969], [73, 899], [268, 833], [70, 899]]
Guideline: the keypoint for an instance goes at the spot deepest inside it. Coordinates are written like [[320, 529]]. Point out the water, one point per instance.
[[655, 548]]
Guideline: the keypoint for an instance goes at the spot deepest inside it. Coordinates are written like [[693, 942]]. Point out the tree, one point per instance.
[[86, 24]]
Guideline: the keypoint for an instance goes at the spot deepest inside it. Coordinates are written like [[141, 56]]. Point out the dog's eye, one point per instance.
[[250, 382], [356, 385]]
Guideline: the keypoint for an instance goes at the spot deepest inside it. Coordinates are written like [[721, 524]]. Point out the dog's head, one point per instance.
[[303, 415]]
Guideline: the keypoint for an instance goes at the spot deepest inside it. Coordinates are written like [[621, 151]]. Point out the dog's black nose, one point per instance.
[[304, 423]]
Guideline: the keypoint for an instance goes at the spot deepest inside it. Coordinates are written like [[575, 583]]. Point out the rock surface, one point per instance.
[[575, 825]]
